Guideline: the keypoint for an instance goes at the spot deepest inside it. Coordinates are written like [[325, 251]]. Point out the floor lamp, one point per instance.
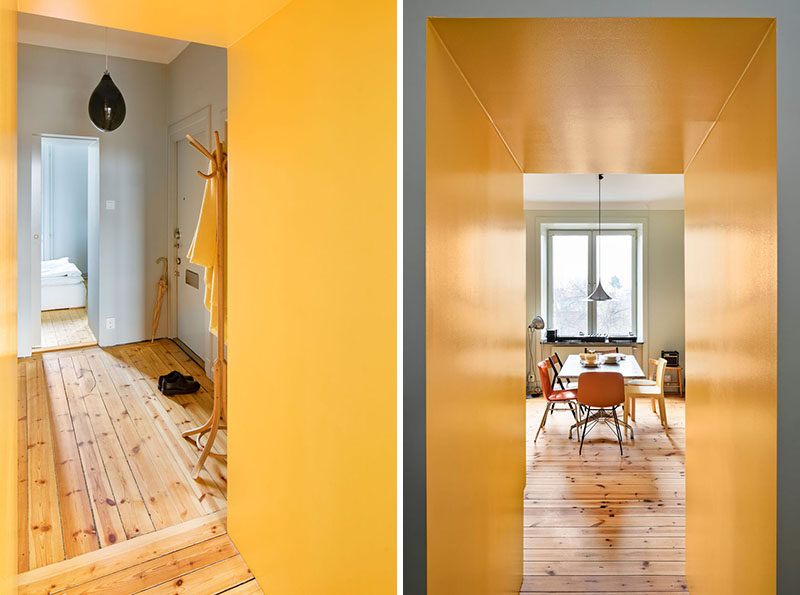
[[534, 387]]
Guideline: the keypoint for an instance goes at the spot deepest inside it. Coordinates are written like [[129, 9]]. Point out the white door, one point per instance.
[[193, 318]]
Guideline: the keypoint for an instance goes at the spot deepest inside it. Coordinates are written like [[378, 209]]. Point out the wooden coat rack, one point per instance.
[[219, 171]]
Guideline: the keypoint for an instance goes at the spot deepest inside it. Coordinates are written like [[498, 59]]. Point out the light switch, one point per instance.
[[111, 205]]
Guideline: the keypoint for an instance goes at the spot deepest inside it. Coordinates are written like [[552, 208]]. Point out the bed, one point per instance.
[[62, 285]]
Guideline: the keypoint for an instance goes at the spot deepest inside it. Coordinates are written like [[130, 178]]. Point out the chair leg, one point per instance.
[[585, 425], [616, 424], [544, 420], [663, 407], [578, 411], [633, 408], [572, 408], [653, 404], [626, 404]]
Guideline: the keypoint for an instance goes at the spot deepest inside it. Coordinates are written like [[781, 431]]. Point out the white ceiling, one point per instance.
[[620, 191], [81, 37]]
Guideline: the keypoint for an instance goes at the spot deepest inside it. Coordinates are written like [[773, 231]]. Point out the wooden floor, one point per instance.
[[101, 459], [194, 557], [61, 328], [601, 523]]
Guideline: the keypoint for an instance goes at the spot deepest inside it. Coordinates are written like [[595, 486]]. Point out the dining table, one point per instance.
[[628, 367]]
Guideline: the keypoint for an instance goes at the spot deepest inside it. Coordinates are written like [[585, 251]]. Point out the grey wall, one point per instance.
[[415, 13], [196, 78], [68, 188], [664, 316], [53, 94]]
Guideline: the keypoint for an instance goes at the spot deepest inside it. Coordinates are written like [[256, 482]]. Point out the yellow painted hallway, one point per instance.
[[312, 336]]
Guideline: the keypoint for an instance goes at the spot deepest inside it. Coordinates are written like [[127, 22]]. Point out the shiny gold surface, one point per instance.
[[617, 95], [475, 308], [8, 294], [731, 343]]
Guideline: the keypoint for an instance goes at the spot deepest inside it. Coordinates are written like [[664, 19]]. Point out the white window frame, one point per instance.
[[635, 230]]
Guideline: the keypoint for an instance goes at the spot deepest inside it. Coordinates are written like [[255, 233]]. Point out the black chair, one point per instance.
[[615, 350], [557, 364]]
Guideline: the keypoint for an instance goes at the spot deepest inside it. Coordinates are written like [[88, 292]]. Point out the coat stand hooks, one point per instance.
[[219, 171]]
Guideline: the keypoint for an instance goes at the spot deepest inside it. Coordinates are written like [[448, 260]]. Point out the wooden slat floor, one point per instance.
[[66, 327], [101, 460], [193, 557], [601, 523]]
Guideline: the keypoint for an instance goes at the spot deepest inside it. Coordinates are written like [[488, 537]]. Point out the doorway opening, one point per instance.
[[511, 99], [64, 241]]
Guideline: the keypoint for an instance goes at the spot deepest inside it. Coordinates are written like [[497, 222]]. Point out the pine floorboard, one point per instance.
[[196, 557], [62, 328], [101, 459], [601, 522]]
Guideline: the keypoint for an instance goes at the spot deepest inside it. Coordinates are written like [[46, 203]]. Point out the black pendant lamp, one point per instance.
[[599, 294], [106, 105]]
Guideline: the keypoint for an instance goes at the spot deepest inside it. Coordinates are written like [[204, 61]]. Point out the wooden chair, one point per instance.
[[649, 381], [553, 396], [654, 389], [601, 391]]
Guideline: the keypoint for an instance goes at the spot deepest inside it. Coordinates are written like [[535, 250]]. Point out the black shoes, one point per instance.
[[176, 383]]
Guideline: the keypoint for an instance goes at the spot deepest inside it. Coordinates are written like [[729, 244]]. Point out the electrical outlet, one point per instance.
[[111, 323], [111, 205]]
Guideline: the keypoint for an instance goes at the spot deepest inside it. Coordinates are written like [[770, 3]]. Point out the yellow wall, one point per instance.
[[312, 257], [731, 335], [8, 294], [203, 21], [475, 318]]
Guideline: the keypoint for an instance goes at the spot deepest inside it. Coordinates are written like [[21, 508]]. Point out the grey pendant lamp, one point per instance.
[[599, 294]]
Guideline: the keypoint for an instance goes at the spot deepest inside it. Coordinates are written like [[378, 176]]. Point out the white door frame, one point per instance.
[[198, 125], [35, 280]]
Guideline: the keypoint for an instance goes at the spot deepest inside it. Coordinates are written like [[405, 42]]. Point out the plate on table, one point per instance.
[[588, 365]]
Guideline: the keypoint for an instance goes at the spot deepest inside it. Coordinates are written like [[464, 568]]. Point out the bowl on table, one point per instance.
[[613, 358]]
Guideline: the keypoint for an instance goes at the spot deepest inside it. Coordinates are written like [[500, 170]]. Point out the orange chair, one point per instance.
[[553, 396], [600, 391]]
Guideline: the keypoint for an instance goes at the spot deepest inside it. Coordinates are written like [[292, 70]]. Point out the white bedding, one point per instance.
[[60, 267], [62, 285]]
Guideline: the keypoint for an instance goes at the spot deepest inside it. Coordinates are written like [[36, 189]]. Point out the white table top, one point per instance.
[[628, 367]]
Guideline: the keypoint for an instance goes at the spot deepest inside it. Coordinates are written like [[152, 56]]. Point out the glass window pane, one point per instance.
[[570, 280], [615, 259]]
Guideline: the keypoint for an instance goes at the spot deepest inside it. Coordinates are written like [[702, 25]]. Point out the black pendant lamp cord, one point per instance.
[[106, 50], [599, 228]]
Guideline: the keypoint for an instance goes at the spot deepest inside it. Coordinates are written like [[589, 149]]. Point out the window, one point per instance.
[[575, 256]]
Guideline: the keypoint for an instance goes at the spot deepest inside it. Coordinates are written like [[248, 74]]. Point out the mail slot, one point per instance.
[[192, 279]]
